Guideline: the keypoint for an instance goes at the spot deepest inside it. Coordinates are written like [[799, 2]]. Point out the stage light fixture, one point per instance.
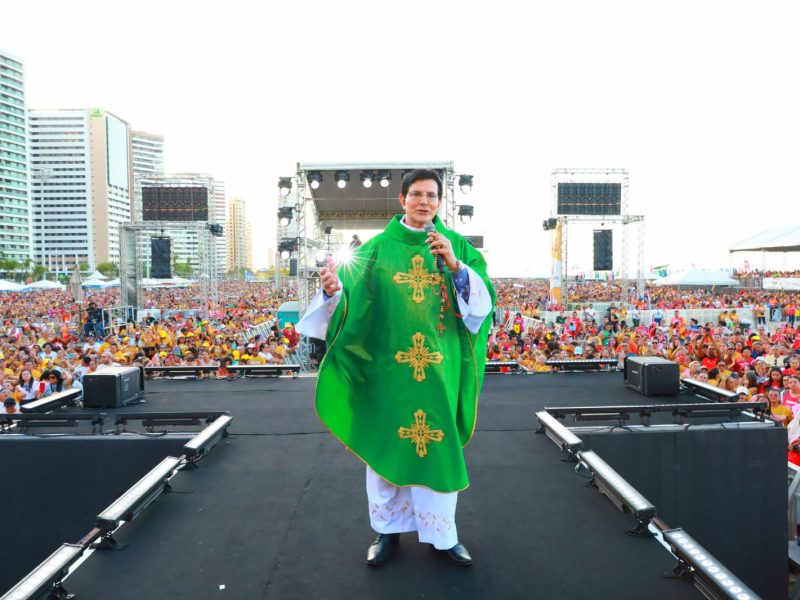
[[621, 493], [201, 444], [465, 211], [342, 177], [544, 225], [285, 254], [314, 179], [709, 576], [285, 215], [143, 493], [465, 183], [328, 229], [560, 435], [285, 185], [367, 177], [286, 246], [385, 178], [45, 580]]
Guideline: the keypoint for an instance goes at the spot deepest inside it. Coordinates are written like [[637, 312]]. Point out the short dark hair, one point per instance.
[[420, 175]]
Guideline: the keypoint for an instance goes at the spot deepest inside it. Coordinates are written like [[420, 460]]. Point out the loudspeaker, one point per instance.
[[603, 251], [113, 387], [160, 257], [652, 375], [292, 267]]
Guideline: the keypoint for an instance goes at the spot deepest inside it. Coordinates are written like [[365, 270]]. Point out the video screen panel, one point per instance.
[[162, 203], [589, 198], [117, 152]]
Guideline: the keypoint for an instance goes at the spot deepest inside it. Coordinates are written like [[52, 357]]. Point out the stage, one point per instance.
[[278, 509]]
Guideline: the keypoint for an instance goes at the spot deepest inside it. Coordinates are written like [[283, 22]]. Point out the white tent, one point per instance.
[[44, 284], [10, 286], [95, 283], [784, 238], [697, 277], [98, 275], [113, 283]]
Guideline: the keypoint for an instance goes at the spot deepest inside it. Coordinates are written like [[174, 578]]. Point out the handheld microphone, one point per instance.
[[431, 228]]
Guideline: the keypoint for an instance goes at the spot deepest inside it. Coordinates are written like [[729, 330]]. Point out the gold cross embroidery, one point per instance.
[[418, 279], [418, 356], [421, 433]]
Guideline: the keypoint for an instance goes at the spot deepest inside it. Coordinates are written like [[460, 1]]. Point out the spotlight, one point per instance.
[[285, 185], [465, 183], [384, 177], [545, 226], [561, 436], [465, 210], [215, 229], [45, 580], [710, 577], [201, 444], [342, 177], [367, 178], [287, 245], [552, 223], [621, 493], [285, 254], [285, 215], [328, 230], [314, 179], [143, 493]]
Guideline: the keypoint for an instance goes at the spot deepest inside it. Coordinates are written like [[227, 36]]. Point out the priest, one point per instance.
[[400, 382]]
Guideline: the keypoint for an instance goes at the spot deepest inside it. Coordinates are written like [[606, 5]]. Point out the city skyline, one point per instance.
[[704, 126]]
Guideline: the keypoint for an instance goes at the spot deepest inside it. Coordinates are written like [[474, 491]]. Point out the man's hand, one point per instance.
[[439, 244], [329, 279]]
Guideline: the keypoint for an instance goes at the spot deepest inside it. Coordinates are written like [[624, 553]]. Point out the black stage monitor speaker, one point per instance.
[[113, 387], [652, 375], [603, 250], [160, 257], [292, 267]]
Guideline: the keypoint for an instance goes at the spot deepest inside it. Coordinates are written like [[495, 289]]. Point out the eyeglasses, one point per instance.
[[417, 196]]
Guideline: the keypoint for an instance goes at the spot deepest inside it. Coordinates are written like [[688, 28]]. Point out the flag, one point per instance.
[[555, 274]]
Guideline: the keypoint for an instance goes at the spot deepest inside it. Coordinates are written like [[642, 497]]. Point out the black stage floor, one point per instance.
[[279, 510]]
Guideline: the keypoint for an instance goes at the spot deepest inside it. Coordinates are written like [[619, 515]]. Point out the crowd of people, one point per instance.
[[48, 342]]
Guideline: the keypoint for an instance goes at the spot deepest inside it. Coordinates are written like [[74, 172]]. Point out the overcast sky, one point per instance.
[[699, 100]]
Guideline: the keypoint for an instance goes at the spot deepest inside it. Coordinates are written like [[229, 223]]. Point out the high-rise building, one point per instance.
[[240, 239], [147, 153], [80, 164], [220, 215], [147, 160], [15, 218]]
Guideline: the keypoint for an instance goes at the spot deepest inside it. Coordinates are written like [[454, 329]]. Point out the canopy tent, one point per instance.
[[784, 238], [44, 284], [697, 277], [96, 283], [98, 275], [10, 286]]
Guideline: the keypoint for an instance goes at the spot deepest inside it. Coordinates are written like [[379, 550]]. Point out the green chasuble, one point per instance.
[[400, 396]]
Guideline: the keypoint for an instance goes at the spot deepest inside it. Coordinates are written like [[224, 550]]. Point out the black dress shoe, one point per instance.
[[381, 549], [458, 555]]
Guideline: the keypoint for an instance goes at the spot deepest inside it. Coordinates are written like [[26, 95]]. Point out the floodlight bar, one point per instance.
[[143, 493], [45, 580], [710, 576], [560, 435], [612, 485], [202, 443], [52, 402]]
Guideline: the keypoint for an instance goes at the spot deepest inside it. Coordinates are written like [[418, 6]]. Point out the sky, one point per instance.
[[698, 100]]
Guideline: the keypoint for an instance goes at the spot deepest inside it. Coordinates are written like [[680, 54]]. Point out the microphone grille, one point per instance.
[[429, 227]]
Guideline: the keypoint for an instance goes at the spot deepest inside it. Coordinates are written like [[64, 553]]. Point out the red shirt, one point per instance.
[[709, 363]]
